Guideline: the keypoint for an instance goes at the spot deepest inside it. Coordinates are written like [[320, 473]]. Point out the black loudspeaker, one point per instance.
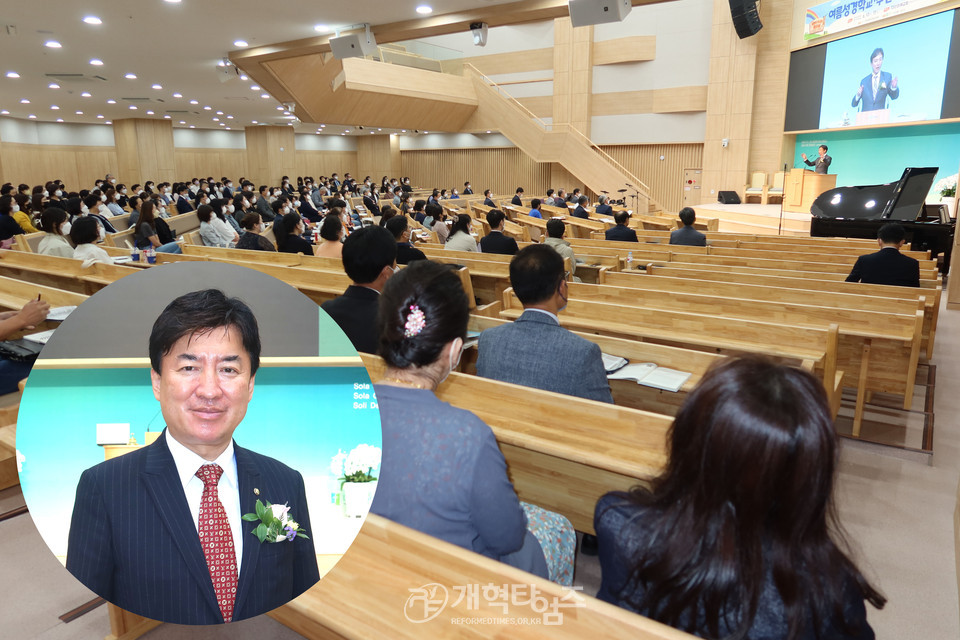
[[746, 17], [728, 197]]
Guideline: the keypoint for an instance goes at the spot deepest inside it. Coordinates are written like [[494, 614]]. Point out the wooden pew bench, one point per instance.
[[67, 274]]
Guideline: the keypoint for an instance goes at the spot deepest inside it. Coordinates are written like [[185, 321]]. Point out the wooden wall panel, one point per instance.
[[664, 177], [514, 62], [324, 163], [77, 166], [500, 169], [767, 151], [144, 149], [192, 163], [374, 157], [629, 49], [271, 153]]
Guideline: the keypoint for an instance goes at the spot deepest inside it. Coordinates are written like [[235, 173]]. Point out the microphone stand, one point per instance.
[[780, 226]]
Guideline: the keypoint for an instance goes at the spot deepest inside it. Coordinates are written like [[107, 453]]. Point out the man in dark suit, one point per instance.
[[535, 350], [370, 202], [687, 235], [517, 202], [495, 241], [887, 266], [603, 208], [406, 252], [580, 211], [158, 531], [621, 232], [876, 86], [183, 202], [822, 163], [369, 257], [467, 189], [488, 199]]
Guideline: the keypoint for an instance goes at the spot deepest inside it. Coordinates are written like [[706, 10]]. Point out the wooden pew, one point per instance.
[[16, 293], [926, 272], [67, 274], [8, 448]]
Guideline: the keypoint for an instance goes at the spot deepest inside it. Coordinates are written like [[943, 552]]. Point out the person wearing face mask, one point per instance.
[[54, 223], [146, 234], [92, 206], [305, 207], [224, 223], [8, 225], [467, 189], [535, 350], [56, 196], [209, 234], [193, 186], [406, 185], [113, 207], [110, 180], [287, 230], [227, 188], [183, 199], [85, 234], [241, 207], [122, 198], [262, 204], [422, 323], [21, 212], [252, 226]]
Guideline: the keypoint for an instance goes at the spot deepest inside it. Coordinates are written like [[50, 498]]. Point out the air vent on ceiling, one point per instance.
[[137, 100], [178, 111], [243, 98], [75, 77]]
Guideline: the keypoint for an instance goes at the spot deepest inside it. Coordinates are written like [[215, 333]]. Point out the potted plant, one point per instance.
[[358, 484]]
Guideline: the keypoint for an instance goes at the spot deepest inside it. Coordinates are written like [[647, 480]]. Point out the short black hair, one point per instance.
[[621, 217], [84, 231], [486, 192], [199, 312], [824, 147], [556, 228], [494, 218], [52, 218], [550, 192], [535, 273], [366, 252], [891, 233], [396, 226], [687, 216], [519, 189], [582, 200], [433, 210], [875, 52], [535, 203], [250, 221], [331, 227], [436, 291]]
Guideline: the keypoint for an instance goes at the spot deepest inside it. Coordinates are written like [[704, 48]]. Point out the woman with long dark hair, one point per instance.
[[736, 538], [460, 238], [287, 231]]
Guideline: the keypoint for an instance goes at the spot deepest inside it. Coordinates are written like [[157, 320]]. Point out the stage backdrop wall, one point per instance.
[[876, 156]]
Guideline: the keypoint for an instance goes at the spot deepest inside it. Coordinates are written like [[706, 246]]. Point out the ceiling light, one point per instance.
[[59, 119], [488, 131], [13, 74], [279, 107], [85, 94], [240, 43], [52, 44], [156, 86], [264, 95], [228, 128], [183, 122], [54, 107], [54, 85], [286, 113], [100, 115], [424, 9], [194, 102], [254, 87], [32, 116], [244, 76], [216, 119], [254, 122], [229, 117], [193, 126], [219, 113], [131, 76], [403, 130], [79, 113], [4, 113], [321, 28], [223, 124], [24, 101], [149, 113], [97, 62], [167, 116], [207, 108], [178, 95], [172, 1], [111, 101], [133, 107], [92, 20]]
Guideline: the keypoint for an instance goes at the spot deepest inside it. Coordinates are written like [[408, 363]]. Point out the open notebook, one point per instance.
[[645, 373]]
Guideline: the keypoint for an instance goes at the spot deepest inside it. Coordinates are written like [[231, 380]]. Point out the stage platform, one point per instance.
[[756, 218]]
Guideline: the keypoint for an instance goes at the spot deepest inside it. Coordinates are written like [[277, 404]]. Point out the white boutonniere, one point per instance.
[[276, 523], [883, 86]]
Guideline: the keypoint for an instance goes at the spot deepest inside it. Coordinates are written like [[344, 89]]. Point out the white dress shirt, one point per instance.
[[546, 313], [228, 489]]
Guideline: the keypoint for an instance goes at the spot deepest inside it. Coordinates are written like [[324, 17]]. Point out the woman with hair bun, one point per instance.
[[287, 230], [736, 538], [442, 472]]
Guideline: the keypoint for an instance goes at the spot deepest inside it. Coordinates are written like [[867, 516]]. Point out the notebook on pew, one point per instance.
[[60, 313], [645, 373], [40, 337]]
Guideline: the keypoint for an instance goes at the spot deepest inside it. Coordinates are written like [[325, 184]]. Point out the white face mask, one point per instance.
[[58, 193], [286, 210], [231, 208], [65, 228], [167, 190], [205, 201], [296, 203], [15, 208], [101, 232], [245, 204], [103, 197], [113, 181], [46, 195], [253, 200], [84, 210]]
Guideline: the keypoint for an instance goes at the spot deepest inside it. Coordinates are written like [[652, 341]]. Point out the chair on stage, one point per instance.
[[757, 187], [776, 191]]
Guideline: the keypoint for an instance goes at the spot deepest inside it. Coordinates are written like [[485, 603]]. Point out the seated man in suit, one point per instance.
[[517, 202], [574, 197], [406, 252], [495, 241], [687, 235], [887, 266], [183, 198], [580, 211], [467, 189], [159, 531], [488, 198], [621, 232], [535, 350], [603, 208], [263, 204], [369, 201]]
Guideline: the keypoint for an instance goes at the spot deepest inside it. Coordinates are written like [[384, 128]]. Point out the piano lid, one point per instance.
[[901, 200]]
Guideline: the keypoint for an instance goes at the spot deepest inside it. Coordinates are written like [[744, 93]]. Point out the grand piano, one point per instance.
[[859, 211]]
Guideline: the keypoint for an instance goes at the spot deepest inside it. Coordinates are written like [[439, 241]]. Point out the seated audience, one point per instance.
[[183, 198], [288, 230], [85, 233], [535, 350], [8, 225], [736, 538], [460, 238], [887, 266], [488, 199], [458, 492], [113, 207], [252, 225], [146, 236], [575, 196], [581, 211], [331, 234], [23, 213], [262, 204], [210, 234], [517, 202], [687, 235], [603, 207], [386, 212], [369, 259], [535, 205], [555, 232], [436, 221], [12, 322], [55, 226], [467, 189], [496, 241], [419, 211], [223, 219], [621, 232], [406, 252]]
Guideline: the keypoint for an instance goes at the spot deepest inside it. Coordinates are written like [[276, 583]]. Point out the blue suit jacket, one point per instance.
[[537, 352], [871, 102], [133, 540], [621, 233]]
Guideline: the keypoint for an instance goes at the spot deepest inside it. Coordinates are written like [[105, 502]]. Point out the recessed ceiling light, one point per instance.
[[79, 113], [13, 74], [229, 117], [111, 101], [107, 122], [52, 44], [131, 76], [488, 131], [53, 85], [97, 62], [254, 87], [207, 108], [426, 132], [167, 116], [178, 95], [279, 107], [244, 76], [403, 130], [92, 20], [183, 122], [193, 126], [240, 43], [100, 115], [219, 113], [32, 116], [85, 94], [172, 1], [24, 101], [264, 95], [54, 107], [216, 119], [59, 119], [424, 9], [254, 122], [194, 102], [4, 113], [321, 28], [133, 107], [149, 113], [223, 124], [156, 86], [373, 133], [286, 113], [228, 129]]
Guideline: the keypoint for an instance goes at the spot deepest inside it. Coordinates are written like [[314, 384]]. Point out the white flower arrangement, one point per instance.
[[357, 466], [946, 187]]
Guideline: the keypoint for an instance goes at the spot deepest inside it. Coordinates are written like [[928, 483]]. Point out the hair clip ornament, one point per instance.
[[416, 321]]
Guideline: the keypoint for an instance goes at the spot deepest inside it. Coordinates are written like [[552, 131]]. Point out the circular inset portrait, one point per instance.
[[198, 443]]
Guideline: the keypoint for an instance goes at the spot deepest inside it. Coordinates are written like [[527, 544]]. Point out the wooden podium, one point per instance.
[[802, 186]]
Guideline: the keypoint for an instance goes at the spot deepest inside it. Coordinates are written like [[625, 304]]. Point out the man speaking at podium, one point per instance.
[[875, 88], [822, 163]]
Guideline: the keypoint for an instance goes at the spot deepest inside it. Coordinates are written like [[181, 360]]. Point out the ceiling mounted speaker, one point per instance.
[[584, 13], [746, 17], [354, 45]]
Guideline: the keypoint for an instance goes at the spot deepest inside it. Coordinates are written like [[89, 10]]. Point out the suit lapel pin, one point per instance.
[[256, 491]]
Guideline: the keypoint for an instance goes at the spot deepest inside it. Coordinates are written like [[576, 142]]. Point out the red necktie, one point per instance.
[[217, 540]]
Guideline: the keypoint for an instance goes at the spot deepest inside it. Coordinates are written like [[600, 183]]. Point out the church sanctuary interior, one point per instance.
[[649, 106]]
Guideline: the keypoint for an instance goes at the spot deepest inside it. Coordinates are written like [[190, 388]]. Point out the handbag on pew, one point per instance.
[[21, 350]]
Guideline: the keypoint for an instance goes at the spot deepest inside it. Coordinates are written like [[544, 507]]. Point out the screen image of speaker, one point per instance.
[[746, 17], [728, 197]]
